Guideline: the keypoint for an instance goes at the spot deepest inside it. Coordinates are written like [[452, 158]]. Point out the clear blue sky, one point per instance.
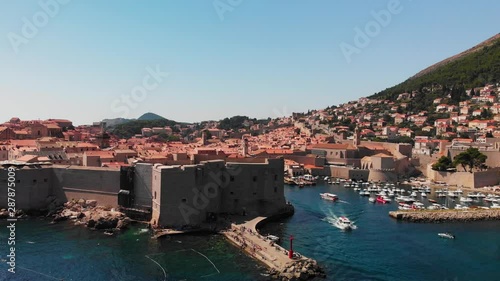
[[263, 59]]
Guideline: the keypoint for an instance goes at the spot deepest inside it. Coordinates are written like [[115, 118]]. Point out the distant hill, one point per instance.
[[116, 121], [134, 127], [151, 116], [474, 67]]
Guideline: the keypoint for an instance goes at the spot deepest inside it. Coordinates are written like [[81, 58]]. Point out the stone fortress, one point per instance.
[[176, 195]]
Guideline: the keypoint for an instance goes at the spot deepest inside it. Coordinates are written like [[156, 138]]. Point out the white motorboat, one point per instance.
[[344, 223], [273, 238], [423, 194], [465, 199], [495, 206], [329, 196], [446, 235], [461, 207], [413, 194], [372, 199], [387, 199]]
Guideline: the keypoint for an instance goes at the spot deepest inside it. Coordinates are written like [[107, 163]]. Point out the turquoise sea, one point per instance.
[[379, 249]]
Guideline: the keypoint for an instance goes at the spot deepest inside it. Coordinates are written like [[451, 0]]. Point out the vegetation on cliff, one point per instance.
[[472, 68]]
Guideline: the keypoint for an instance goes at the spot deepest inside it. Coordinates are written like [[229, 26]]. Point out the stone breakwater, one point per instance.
[[437, 216], [275, 257], [87, 212]]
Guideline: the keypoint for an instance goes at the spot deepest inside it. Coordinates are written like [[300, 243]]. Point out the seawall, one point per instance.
[[245, 236], [437, 216]]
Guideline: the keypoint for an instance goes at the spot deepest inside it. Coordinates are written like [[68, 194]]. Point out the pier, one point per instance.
[[245, 236], [437, 216]]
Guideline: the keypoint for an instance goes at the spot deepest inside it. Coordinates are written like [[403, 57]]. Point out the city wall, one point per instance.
[[37, 186], [466, 179]]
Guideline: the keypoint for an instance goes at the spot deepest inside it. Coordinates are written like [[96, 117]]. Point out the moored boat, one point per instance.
[[329, 196]]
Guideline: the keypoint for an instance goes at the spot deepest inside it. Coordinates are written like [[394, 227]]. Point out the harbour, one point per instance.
[[365, 253]]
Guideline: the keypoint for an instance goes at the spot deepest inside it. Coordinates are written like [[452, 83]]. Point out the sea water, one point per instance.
[[381, 248]]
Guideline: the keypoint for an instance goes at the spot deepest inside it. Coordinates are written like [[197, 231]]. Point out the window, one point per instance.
[[275, 189], [255, 193], [34, 181], [275, 177], [155, 194], [254, 178], [232, 193], [45, 180], [184, 200], [231, 178]]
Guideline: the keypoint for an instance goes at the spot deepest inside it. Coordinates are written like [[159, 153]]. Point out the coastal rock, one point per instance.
[[123, 223], [103, 223], [4, 214], [81, 202], [91, 223], [91, 203], [59, 218]]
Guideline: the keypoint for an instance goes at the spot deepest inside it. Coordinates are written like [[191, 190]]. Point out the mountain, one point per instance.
[[474, 67], [116, 121], [151, 116]]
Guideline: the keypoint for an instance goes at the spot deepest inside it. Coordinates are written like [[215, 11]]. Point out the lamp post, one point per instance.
[[290, 253]]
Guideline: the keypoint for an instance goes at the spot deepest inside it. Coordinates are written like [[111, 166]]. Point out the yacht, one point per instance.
[[273, 238], [465, 199], [446, 235], [364, 192], [344, 223], [329, 196], [461, 207], [382, 200], [404, 206], [495, 206], [418, 205]]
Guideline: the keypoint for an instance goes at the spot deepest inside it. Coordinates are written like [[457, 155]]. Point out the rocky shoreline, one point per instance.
[[88, 213], [302, 270], [81, 212], [438, 216]]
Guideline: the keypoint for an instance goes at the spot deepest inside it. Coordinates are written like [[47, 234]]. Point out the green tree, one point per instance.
[[443, 164], [471, 158]]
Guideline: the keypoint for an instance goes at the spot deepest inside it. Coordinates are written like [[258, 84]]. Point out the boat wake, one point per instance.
[[333, 219]]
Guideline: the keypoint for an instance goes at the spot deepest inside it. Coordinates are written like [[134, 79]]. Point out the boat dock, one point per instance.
[[446, 215], [246, 237]]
